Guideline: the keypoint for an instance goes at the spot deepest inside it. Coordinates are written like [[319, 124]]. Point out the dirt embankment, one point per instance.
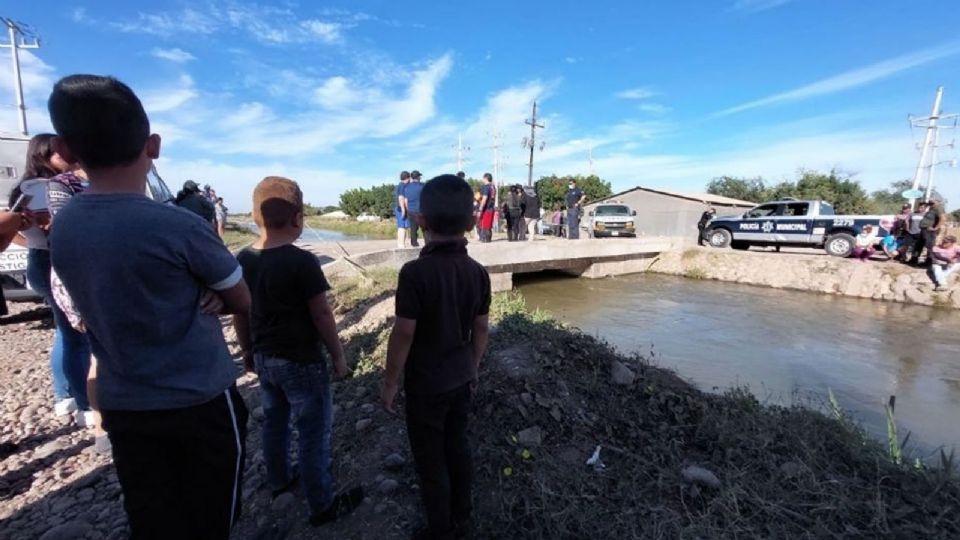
[[876, 279], [673, 462]]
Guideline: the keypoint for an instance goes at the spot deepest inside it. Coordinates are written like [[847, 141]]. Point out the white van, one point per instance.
[[13, 261]]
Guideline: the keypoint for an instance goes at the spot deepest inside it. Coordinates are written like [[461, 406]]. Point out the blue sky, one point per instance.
[[666, 94]]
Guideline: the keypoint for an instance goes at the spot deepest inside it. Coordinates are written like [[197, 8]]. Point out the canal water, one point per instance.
[[316, 235], [787, 347]]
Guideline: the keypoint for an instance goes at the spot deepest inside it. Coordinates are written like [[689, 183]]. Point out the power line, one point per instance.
[[13, 29]]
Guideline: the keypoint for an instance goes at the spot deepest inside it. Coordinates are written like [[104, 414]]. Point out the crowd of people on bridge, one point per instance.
[[138, 286], [519, 210]]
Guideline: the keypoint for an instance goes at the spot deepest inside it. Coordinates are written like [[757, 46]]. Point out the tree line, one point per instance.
[[380, 200], [836, 187]]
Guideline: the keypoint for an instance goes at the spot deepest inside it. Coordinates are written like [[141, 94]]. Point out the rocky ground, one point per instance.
[[55, 487]]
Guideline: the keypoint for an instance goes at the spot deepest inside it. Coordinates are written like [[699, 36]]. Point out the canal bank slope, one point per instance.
[[815, 273]]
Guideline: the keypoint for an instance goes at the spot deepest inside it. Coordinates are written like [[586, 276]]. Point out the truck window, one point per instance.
[[158, 188], [826, 209], [796, 209], [762, 211], [611, 210]]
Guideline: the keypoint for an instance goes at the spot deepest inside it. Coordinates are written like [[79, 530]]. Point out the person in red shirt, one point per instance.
[[945, 258]]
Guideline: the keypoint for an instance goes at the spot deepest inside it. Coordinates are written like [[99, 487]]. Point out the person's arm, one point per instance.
[[11, 223], [398, 350], [481, 335], [326, 324]]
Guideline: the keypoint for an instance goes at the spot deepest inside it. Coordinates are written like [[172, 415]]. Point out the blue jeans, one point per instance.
[[70, 354], [304, 390]]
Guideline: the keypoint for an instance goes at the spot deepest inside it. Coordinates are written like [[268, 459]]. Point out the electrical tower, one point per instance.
[[933, 124], [531, 142], [14, 30], [460, 150]]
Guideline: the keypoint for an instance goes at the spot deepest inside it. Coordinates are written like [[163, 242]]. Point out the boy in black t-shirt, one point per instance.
[[438, 339], [283, 340]]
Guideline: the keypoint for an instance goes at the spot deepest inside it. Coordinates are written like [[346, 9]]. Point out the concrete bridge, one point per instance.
[[589, 258]]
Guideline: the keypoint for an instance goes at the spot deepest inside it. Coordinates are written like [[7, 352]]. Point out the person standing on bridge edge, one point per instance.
[[531, 211], [488, 205], [513, 213], [438, 340], [702, 224], [410, 201], [402, 221], [574, 199]]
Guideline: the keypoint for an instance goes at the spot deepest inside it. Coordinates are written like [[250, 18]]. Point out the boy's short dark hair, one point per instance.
[[404, 175], [100, 119], [488, 176], [447, 205], [276, 200]]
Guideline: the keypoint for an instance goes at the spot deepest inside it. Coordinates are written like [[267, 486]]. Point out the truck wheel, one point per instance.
[[739, 245], [719, 238], [839, 245]]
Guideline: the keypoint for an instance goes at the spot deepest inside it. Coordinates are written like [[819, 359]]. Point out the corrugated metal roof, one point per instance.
[[706, 198]]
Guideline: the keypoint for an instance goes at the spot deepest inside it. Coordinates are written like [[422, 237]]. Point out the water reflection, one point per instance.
[[784, 345]]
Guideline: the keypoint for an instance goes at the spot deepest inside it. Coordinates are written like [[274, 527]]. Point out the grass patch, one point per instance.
[[237, 237], [369, 229], [349, 293]]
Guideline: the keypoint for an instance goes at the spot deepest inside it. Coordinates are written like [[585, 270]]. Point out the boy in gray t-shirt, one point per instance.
[[136, 270]]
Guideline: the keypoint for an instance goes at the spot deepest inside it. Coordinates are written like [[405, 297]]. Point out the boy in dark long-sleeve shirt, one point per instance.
[[438, 339]]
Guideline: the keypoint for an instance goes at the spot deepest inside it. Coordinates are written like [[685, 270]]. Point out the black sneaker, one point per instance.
[[343, 504]]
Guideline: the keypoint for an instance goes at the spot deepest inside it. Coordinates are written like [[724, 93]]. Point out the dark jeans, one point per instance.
[[70, 353], [514, 224], [700, 237], [181, 469], [437, 427], [486, 235], [302, 390], [573, 223], [929, 242], [414, 230]]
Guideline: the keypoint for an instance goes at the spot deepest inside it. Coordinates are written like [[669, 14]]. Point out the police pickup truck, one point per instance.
[[611, 219], [793, 223]]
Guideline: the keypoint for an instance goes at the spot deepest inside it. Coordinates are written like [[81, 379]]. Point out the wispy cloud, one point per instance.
[[654, 108], [79, 14], [169, 98], [327, 32], [642, 92], [851, 79], [175, 55], [266, 24], [756, 6], [571, 59]]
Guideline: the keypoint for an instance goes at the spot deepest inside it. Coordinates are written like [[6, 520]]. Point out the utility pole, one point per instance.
[[590, 159], [531, 142], [12, 30], [928, 152], [460, 150]]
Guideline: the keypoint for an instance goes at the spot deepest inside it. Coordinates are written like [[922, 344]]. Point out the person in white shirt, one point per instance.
[[863, 247]]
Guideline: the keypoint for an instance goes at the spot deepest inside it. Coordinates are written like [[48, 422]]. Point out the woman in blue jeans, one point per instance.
[[70, 354]]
